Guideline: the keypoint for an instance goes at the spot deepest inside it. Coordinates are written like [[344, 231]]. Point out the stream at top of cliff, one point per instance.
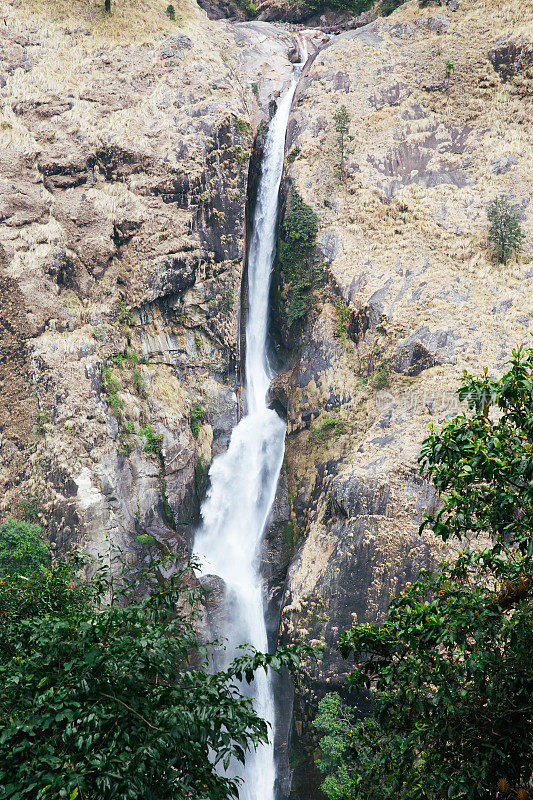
[[244, 479]]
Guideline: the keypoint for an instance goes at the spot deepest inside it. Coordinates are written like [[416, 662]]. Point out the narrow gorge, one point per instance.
[[243, 481], [245, 258]]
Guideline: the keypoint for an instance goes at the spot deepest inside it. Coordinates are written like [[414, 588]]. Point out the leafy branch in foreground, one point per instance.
[[450, 671], [105, 691]]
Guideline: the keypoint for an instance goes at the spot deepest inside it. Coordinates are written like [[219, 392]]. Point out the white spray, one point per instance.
[[243, 480]]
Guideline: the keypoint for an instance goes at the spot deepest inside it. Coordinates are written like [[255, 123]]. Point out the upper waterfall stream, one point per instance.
[[244, 479]]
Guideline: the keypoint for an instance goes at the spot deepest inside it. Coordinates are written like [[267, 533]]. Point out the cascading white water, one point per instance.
[[243, 480]]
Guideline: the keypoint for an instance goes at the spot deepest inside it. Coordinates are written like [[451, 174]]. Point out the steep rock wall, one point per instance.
[[413, 297], [125, 143]]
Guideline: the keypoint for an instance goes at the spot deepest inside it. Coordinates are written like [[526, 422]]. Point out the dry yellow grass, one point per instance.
[[131, 21]]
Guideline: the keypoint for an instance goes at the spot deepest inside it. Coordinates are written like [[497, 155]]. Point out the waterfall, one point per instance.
[[244, 479]]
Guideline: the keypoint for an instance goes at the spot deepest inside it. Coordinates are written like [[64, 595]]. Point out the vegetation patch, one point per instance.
[[240, 154], [329, 428], [41, 422], [299, 271], [21, 547], [505, 232], [341, 121], [315, 6], [381, 378], [242, 126], [342, 319], [111, 388], [388, 6], [195, 417], [31, 509], [125, 314]]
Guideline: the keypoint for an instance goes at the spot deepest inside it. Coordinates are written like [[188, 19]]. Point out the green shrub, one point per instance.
[[240, 154], [125, 448], [342, 318], [300, 226], [111, 387], [154, 441], [298, 270], [171, 13], [380, 378], [21, 548], [195, 417], [40, 423], [145, 539], [98, 333], [30, 509], [132, 356], [138, 383], [388, 6], [293, 155], [125, 314], [449, 67], [249, 8], [242, 126], [330, 427], [505, 230]]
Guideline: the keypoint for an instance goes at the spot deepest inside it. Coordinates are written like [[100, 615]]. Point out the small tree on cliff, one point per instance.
[[450, 671], [505, 230], [341, 119]]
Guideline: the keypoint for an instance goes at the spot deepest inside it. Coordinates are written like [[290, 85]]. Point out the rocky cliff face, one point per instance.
[[124, 178], [413, 296]]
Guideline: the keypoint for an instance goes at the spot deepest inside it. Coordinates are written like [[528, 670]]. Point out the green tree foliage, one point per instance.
[[388, 6], [21, 547], [335, 720], [355, 6], [341, 120], [505, 231], [450, 671], [196, 415], [105, 692], [298, 270]]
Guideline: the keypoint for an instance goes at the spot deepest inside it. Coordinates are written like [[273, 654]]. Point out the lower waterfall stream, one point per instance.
[[244, 479]]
